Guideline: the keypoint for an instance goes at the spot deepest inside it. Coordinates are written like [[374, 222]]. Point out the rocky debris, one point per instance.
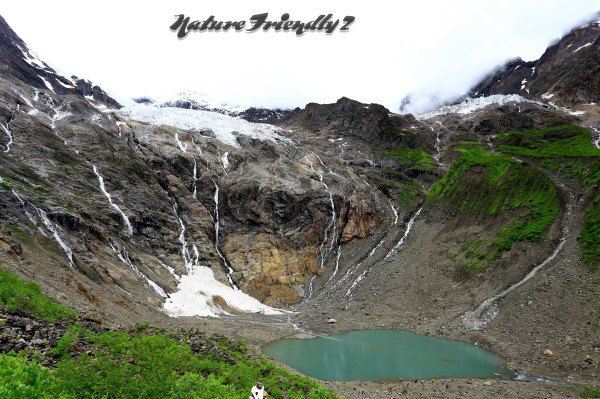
[[331, 321], [567, 72], [548, 352], [21, 331]]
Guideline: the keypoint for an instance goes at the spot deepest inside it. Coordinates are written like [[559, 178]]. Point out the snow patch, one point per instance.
[[470, 105], [198, 291], [223, 126]]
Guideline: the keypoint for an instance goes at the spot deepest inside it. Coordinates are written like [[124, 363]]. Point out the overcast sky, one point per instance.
[[394, 48]]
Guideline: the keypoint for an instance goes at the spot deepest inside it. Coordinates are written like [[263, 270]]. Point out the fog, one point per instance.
[[435, 50]]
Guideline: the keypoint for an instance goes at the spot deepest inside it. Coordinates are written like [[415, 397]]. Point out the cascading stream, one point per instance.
[[596, 140], [323, 250], [124, 257], [480, 317], [225, 161], [7, 130], [195, 179], [351, 270], [409, 226], [185, 253], [50, 226], [126, 222], [217, 232]]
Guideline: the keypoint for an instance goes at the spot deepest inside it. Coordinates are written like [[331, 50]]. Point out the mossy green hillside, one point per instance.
[[590, 235], [16, 294], [562, 141], [566, 149], [481, 182]]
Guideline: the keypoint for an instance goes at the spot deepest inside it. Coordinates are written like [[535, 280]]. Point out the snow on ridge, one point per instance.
[[470, 105], [582, 47], [223, 126], [198, 290]]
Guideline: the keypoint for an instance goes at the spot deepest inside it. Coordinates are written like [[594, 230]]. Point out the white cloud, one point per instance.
[[437, 48]]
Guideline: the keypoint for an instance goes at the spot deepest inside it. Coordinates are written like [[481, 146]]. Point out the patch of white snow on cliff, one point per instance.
[[223, 126], [200, 294]]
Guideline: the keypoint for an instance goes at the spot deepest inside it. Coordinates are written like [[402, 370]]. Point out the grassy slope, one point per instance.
[[568, 150], [508, 187], [135, 365], [16, 294], [409, 161], [149, 366]]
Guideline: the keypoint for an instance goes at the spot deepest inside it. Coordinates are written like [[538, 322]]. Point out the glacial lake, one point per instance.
[[380, 355]]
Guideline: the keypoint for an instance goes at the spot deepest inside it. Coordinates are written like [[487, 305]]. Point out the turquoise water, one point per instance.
[[378, 355]]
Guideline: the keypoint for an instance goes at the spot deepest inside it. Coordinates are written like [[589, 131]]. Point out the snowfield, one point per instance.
[[470, 105], [223, 126], [197, 292]]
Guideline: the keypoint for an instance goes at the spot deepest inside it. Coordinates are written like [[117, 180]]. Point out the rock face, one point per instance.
[[371, 123], [18, 61], [567, 73], [108, 213]]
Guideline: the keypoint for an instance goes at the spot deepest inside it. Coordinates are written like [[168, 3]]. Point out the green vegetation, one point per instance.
[[149, 366], [567, 149], [585, 170], [590, 235], [141, 365], [411, 158], [590, 393], [496, 184], [562, 141], [16, 294]]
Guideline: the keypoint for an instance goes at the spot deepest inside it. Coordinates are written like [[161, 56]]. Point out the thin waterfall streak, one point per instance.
[[351, 270], [126, 222], [182, 146], [52, 227], [409, 226], [217, 232], [488, 309], [8, 131], [124, 257], [185, 253]]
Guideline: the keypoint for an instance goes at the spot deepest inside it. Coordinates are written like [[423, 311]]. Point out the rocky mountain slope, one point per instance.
[[566, 74], [477, 221]]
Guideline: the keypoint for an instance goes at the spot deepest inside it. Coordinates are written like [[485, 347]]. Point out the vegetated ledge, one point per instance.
[[566, 149], [484, 183], [76, 358]]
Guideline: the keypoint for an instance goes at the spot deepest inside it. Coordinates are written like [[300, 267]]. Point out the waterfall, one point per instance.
[[596, 140], [124, 257], [218, 250], [195, 178], [50, 226], [8, 131], [409, 226], [182, 146], [323, 250], [171, 270], [126, 222], [185, 253], [337, 263], [27, 213], [225, 161], [373, 250], [480, 317]]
